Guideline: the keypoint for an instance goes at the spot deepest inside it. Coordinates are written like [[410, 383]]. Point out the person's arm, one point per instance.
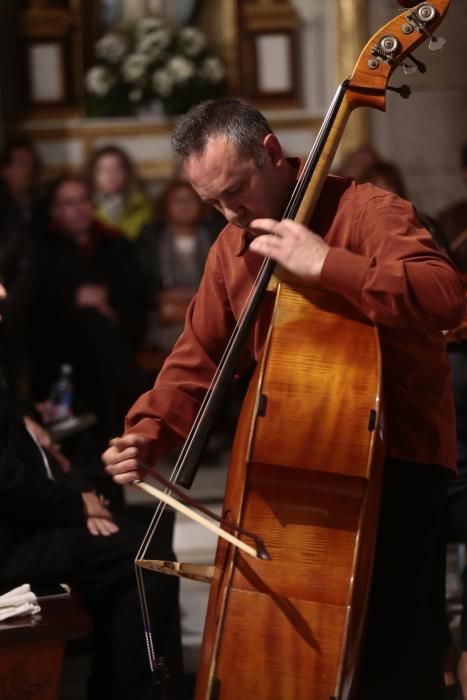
[[29, 498], [188, 371], [390, 269], [395, 275], [27, 495]]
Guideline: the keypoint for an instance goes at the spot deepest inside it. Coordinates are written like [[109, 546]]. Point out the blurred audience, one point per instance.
[[173, 251], [119, 200], [92, 279], [54, 528], [454, 222], [89, 310], [21, 197], [22, 216], [388, 176], [357, 162]]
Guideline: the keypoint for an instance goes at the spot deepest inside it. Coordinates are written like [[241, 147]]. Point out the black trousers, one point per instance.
[[456, 504], [456, 531], [403, 650]]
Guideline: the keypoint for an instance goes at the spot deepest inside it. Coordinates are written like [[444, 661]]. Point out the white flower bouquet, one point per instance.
[[146, 61]]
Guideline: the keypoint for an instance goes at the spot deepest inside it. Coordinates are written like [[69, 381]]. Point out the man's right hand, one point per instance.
[[123, 457]]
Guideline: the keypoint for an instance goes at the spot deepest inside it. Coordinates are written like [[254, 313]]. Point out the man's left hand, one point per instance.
[[294, 246]]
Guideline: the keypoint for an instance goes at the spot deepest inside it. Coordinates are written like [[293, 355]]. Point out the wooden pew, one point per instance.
[[32, 648]]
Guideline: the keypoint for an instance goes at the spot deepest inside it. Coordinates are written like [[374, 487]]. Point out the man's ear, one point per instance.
[[273, 149]]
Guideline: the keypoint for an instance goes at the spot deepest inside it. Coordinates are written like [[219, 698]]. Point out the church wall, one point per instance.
[[423, 135]]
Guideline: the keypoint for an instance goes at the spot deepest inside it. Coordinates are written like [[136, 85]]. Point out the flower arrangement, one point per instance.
[[146, 62]]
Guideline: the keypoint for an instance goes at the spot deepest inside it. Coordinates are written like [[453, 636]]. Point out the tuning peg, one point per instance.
[[422, 16], [387, 48], [403, 90], [416, 67], [409, 69], [436, 43], [419, 65]]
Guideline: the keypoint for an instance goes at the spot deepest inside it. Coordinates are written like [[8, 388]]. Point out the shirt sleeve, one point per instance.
[[166, 412], [393, 272]]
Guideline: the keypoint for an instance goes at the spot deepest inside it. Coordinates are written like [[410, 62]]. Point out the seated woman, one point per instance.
[[90, 304], [119, 200], [173, 251]]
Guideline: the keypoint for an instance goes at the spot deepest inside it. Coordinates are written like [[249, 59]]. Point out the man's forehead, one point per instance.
[[217, 148], [220, 162]]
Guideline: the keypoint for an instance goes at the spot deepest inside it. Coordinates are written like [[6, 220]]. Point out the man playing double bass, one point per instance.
[[368, 246]]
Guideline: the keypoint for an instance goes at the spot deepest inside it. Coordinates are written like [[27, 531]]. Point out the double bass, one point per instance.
[[286, 618]]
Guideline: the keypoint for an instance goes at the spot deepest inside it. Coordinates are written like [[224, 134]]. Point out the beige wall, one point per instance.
[[423, 134]]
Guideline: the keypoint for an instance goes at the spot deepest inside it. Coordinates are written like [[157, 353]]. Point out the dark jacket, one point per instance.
[[33, 507], [109, 260]]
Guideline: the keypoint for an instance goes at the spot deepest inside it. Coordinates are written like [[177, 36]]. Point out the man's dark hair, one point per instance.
[[19, 143], [237, 121]]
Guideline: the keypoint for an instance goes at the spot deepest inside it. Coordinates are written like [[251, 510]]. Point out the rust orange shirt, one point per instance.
[[385, 263]]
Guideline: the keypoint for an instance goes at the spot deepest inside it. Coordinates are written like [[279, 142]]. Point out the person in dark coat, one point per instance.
[[22, 216], [54, 529], [90, 307]]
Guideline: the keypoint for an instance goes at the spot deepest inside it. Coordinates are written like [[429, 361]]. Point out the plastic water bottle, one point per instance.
[[62, 394]]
